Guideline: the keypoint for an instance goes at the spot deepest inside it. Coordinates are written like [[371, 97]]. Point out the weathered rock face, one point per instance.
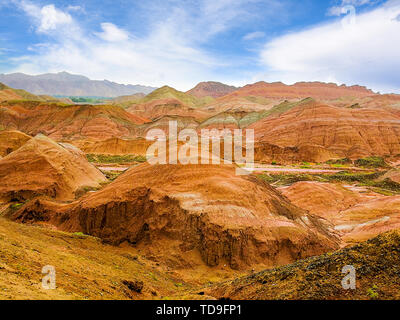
[[211, 89], [194, 208], [343, 132], [114, 146], [11, 140], [43, 167], [69, 122], [267, 152]]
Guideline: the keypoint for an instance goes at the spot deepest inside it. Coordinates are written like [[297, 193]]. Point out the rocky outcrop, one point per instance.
[[43, 167], [182, 209]]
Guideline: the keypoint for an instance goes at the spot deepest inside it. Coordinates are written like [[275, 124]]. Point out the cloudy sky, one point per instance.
[[181, 43]]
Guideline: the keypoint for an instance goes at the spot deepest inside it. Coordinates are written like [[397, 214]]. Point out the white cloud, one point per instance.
[[51, 18], [364, 53], [47, 18], [254, 35], [169, 54], [112, 33], [75, 8]]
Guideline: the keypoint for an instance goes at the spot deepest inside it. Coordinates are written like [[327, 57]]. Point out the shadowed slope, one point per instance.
[[377, 275]]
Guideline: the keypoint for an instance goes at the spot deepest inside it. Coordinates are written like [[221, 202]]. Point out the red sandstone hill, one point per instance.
[[60, 121], [114, 146], [211, 89], [332, 132], [165, 107], [301, 90], [43, 167], [178, 212]]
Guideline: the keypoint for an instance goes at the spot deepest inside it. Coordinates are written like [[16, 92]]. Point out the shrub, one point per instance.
[[103, 158], [16, 206], [373, 292], [344, 161], [371, 162]]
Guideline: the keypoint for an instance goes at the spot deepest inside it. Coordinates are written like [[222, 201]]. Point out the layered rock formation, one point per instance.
[[337, 132], [69, 121], [301, 90], [176, 210], [43, 167]]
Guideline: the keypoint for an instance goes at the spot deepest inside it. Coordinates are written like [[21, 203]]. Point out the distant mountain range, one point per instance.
[[66, 84]]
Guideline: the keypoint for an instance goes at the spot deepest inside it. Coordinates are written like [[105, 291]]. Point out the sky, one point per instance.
[[181, 43]]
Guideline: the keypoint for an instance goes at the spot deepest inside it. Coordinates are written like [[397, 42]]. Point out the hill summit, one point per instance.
[[211, 89]]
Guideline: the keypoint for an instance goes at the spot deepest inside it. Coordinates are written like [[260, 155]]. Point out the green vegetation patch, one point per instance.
[[344, 161], [16, 206], [90, 100], [103, 158], [112, 175], [367, 179], [371, 162]]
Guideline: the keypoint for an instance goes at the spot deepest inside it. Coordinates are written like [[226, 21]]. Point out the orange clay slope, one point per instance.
[[178, 212]]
